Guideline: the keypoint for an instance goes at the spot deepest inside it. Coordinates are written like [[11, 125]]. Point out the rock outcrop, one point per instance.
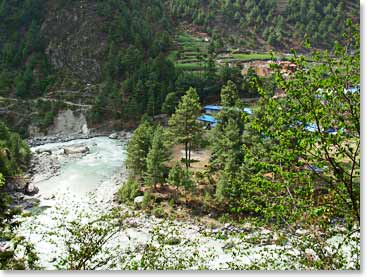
[[69, 122]]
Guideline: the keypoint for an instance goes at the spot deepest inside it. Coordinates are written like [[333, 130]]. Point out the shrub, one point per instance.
[[158, 212], [128, 191], [147, 199]]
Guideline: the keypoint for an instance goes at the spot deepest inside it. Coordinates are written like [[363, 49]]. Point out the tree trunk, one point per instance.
[[189, 154], [186, 161]]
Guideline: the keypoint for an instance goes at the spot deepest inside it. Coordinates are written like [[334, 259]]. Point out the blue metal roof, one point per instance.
[[311, 127], [207, 118], [213, 107], [248, 110], [356, 89], [218, 108]]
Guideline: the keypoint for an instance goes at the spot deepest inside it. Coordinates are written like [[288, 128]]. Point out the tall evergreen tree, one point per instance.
[[138, 148], [227, 133], [183, 123], [229, 157], [157, 156], [176, 177]]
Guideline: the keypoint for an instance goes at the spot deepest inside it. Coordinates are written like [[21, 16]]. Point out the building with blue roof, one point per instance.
[[248, 111], [209, 109], [208, 120]]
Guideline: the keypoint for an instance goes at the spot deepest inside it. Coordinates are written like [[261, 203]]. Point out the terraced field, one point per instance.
[[191, 52]]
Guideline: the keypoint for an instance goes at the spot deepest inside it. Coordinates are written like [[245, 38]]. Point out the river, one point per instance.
[[86, 185]]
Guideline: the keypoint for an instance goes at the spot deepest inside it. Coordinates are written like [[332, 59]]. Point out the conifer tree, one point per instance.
[[176, 177], [227, 133], [138, 148], [183, 123], [229, 156], [157, 156]]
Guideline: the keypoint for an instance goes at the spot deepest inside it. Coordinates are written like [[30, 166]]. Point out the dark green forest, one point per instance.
[[278, 24], [136, 73]]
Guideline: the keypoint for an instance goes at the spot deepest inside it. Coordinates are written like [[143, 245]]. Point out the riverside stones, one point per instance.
[[138, 200], [31, 189], [113, 136]]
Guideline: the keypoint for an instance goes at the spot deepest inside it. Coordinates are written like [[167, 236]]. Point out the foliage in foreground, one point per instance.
[[14, 158], [14, 152]]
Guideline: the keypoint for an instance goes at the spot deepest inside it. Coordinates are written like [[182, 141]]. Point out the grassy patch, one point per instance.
[[190, 66], [172, 56]]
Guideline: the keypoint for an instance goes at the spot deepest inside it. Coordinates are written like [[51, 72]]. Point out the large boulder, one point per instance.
[[31, 189], [68, 123], [76, 150]]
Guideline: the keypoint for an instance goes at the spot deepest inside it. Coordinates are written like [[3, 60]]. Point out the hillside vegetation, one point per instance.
[[268, 24], [121, 59]]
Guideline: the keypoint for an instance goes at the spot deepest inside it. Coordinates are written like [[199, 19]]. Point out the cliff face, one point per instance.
[[76, 42]]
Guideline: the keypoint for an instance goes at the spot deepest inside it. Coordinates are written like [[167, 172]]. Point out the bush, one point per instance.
[[147, 199], [128, 191], [158, 212], [14, 153]]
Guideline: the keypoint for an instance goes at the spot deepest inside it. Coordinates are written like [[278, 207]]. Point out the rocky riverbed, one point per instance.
[[38, 141], [78, 179]]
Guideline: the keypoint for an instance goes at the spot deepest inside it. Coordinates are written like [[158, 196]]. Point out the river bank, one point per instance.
[[48, 155], [38, 141]]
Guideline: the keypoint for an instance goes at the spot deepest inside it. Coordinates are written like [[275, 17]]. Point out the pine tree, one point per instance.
[[229, 156], [170, 103], [229, 95], [176, 177], [157, 156], [138, 148], [226, 139], [183, 123]]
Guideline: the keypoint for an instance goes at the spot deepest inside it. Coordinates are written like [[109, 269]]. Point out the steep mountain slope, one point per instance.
[[80, 52], [268, 24], [113, 60]]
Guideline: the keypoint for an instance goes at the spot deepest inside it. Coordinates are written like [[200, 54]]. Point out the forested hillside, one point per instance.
[[91, 52], [268, 24], [113, 61]]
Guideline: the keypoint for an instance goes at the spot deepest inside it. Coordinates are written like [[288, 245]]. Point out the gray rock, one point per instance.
[[138, 200], [31, 189], [113, 136], [76, 150], [30, 203], [46, 151]]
